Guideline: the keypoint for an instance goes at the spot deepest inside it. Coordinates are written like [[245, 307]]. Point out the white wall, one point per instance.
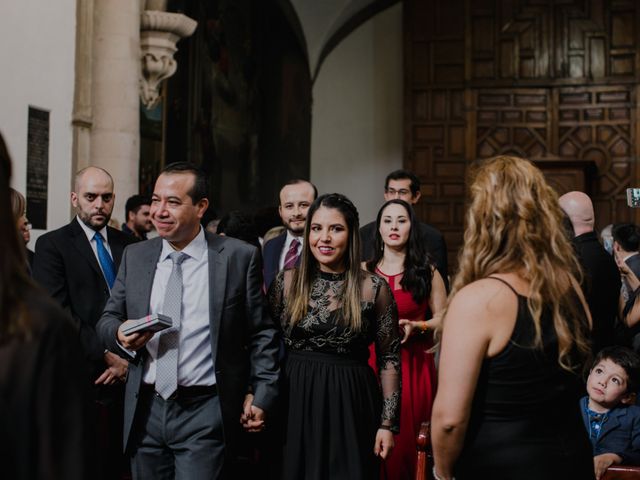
[[356, 136], [37, 49]]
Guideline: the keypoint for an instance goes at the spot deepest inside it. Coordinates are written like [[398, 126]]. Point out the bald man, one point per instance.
[[76, 264], [601, 282]]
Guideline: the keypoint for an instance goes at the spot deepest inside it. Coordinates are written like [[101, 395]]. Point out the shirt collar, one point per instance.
[[196, 248], [90, 232], [290, 238]]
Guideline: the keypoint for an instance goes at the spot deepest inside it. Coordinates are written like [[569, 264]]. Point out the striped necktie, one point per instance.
[[291, 258], [167, 362]]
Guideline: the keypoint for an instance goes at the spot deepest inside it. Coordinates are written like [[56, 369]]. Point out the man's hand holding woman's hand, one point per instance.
[[252, 418]]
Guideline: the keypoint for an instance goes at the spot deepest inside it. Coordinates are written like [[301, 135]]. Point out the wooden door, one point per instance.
[[552, 81]]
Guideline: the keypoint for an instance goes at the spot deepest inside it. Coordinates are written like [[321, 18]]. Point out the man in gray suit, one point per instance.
[[190, 386]]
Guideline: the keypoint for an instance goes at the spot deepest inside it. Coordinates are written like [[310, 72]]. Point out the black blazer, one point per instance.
[[431, 236], [67, 268], [244, 340], [601, 287], [271, 257]]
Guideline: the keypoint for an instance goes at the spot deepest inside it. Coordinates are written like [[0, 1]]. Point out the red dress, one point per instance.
[[418, 384]]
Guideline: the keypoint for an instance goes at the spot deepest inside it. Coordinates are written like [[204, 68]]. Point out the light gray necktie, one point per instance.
[[167, 366]]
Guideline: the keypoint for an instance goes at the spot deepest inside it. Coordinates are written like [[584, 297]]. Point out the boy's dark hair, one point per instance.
[[404, 175], [199, 189], [623, 357], [134, 203], [627, 235]]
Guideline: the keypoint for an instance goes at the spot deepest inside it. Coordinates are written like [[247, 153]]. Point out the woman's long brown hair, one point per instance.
[[13, 274]]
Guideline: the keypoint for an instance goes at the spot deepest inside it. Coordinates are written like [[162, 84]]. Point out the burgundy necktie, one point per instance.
[[291, 257]]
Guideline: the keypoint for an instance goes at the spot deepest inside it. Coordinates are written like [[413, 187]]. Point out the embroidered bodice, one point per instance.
[[323, 329]]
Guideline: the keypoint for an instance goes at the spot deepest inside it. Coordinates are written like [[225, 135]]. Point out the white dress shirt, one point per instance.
[[195, 364], [90, 233], [285, 248]]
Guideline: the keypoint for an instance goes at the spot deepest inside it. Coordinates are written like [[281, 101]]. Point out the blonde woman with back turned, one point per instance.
[[514, 338]]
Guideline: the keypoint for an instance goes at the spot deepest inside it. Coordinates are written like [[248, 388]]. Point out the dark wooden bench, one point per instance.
[[621, 472]]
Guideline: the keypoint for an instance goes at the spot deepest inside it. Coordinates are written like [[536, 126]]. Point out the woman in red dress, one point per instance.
[[421, 295]]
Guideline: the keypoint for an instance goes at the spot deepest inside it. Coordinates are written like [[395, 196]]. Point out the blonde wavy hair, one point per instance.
[[514, 224]]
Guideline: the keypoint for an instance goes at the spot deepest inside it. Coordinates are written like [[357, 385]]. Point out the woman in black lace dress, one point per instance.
[[338, 417]]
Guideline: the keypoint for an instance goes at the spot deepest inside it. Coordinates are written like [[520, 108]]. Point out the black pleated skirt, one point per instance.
[[333, 414]]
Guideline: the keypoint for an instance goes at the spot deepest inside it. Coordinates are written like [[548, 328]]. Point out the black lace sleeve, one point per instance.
[[275, 298], [388, 354]]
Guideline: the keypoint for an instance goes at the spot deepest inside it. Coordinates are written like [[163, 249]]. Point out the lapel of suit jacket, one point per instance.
[[149, 258], [218, 264], [115, 245], [613, 421], [274, 257], [81, 243]]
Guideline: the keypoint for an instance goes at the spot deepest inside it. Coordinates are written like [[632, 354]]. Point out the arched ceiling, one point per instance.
[[324, 23]]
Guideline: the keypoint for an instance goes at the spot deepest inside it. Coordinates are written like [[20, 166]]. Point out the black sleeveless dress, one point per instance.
[[525, 422]]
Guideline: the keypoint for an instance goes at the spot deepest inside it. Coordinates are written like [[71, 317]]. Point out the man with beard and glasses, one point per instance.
[[77, 265], [283, 252]]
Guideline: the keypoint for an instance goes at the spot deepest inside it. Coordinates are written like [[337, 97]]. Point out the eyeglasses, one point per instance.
[[403, 192]]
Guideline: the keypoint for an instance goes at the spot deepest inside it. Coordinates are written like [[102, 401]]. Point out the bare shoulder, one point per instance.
[[487, 292], [485, 306]]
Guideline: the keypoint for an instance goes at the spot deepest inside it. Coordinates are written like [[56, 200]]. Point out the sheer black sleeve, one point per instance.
[[387, 342], [275, 298]]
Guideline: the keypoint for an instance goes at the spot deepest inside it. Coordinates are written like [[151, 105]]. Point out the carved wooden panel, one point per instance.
[[513, 122], [550, 80], [598, 124], [435, 113], [570, 39], [591, 127]]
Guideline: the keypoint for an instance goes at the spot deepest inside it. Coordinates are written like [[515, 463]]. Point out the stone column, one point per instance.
[[115, 133]]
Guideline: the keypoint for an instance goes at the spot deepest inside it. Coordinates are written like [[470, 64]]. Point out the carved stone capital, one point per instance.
[[159, 33]]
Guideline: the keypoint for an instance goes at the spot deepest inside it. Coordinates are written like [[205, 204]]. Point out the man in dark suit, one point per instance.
[[190, 386], [283, 252], [138, 222], [405, 185], [601, 281], [76, 264]]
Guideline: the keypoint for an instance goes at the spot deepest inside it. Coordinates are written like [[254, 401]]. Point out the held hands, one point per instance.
[[117, 368], [135, 341], [410, 327], [252, 418], [384, 443], [604, 461]]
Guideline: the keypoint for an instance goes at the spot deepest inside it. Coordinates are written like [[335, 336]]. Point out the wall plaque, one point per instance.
[[37, 167]]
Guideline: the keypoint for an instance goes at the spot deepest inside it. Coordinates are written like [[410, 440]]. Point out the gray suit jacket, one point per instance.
[[244, 343]]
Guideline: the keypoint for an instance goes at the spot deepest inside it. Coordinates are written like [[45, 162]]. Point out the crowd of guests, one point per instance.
[[317, 353]]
